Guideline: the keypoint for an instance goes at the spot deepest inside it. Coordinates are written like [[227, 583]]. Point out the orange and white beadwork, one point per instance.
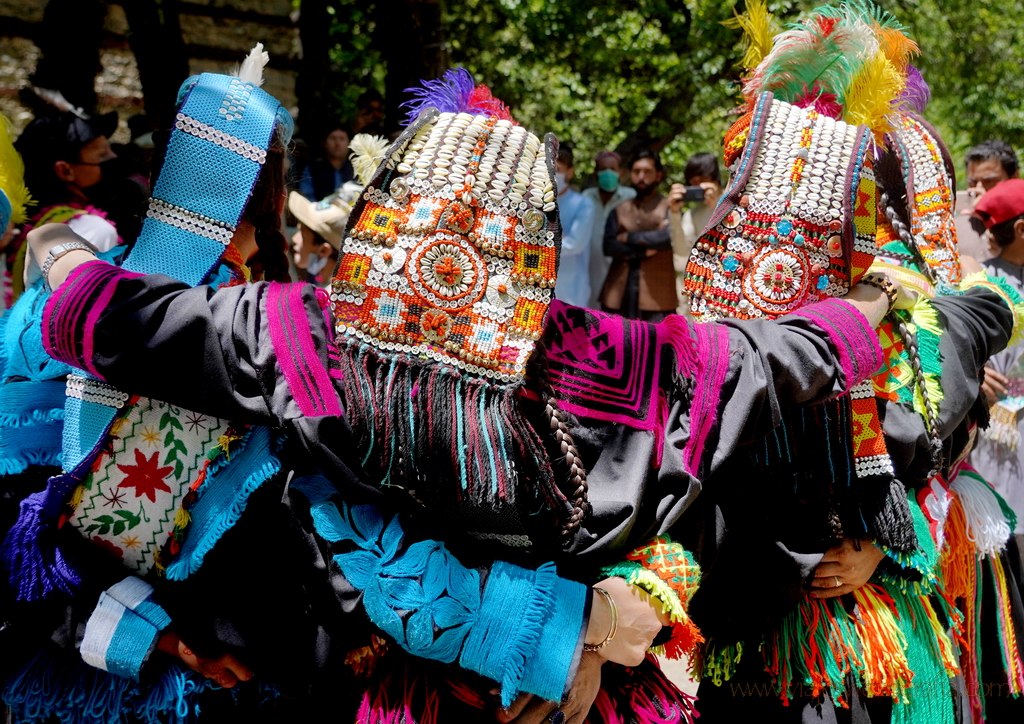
[[930, 186], [453, 252], [796, 223]]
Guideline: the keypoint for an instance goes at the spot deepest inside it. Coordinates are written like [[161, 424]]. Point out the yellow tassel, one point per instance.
[[1014, 665], [181, 518], [76, 497], [759, 30], [869, 97], [12, 174], [925, 316], [980, 279]]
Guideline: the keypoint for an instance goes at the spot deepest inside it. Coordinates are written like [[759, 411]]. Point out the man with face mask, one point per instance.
[[577, 214], [607, 195], [70, 169], [641, 280]]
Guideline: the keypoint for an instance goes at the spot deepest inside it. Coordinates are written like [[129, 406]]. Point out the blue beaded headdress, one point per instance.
[[221, 134]]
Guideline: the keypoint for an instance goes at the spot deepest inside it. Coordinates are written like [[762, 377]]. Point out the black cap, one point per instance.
[[61, 136]]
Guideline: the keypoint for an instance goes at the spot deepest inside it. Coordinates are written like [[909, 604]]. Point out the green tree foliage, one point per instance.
[[664, 73]]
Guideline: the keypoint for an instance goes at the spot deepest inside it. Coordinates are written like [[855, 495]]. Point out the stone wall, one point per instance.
[[217, 34]]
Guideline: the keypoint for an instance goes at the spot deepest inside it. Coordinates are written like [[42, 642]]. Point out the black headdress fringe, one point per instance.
[[443, 434], [810, 457]]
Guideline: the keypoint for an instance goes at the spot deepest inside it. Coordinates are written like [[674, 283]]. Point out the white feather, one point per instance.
[[251, 70], [56, 99], [367, 154]]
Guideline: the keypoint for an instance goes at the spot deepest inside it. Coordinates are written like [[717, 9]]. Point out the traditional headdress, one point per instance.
[[447, 269], [929, 244], [135, 450], [797, 221]]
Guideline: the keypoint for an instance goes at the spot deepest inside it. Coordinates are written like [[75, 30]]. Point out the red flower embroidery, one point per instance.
[[145, 476]]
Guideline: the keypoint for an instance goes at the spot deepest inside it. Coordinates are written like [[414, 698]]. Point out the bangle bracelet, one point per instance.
[[879, 281], [611, 629]]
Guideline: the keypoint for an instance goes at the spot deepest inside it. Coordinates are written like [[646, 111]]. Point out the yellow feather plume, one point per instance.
[[870, 96], [759, 29], [12, 174]]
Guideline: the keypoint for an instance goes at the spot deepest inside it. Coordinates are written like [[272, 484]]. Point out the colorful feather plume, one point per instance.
[[455, 92], [870, 98], [916, 95], [12, 174], [850, 62]]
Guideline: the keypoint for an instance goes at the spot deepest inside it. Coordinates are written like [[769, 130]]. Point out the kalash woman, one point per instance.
[[821, 642], [439, 302]]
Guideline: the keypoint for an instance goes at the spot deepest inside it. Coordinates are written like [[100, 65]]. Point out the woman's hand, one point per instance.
[[529, 709], [845, 568], [639, 619], [225, 670], [969, 265]]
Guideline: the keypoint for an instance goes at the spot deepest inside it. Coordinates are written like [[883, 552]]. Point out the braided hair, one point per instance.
[[567, 453], [894, 203]]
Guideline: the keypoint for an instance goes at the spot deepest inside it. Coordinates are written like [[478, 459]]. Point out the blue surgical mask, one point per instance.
[[316, 264], [608, 180], [560, 182]]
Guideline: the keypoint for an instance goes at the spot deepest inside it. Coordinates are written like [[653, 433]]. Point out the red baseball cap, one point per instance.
[[1002, 202]]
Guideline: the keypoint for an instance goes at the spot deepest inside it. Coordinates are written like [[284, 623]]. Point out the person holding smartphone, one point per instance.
[[690, 206]]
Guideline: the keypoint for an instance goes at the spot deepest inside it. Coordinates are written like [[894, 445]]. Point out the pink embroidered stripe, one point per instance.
[[297, 355], [712, 364], [855, 341], [74, 309]]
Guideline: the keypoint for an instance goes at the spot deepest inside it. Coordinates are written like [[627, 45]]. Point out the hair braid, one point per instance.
[[578, 497], [931, 414], [906, 236]]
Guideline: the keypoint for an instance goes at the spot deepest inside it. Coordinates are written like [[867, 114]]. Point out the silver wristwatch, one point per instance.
[[57, 252]]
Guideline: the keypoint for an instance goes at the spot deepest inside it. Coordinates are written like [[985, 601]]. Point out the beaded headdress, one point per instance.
[[223, 128], [930, 197], [797, 221], [446, 273]]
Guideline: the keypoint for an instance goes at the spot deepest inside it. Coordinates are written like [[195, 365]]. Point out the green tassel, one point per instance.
[[930, 699]]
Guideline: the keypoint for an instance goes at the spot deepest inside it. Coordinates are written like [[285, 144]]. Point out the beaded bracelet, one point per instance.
[[882, 282], [611, 629]]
